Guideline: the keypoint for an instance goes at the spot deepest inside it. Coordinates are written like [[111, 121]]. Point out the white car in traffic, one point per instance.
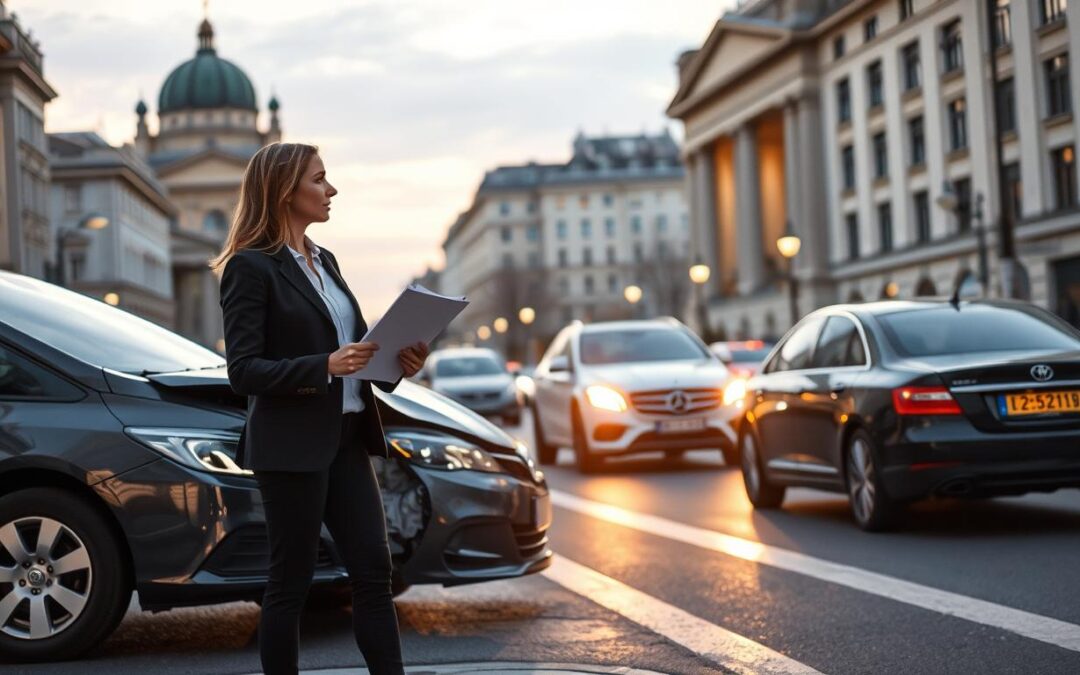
[[626, 387]]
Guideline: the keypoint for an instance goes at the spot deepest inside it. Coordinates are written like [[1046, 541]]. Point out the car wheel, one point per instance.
[[63, 576], [762, 493], [870, 506], [545, 452], [584, 458]]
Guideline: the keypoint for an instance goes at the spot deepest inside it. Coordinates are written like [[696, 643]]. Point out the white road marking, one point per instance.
[[1035, 626], [706, 639]]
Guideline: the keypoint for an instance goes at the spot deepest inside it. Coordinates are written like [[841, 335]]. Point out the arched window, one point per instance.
[[925, 287], [215, 222]]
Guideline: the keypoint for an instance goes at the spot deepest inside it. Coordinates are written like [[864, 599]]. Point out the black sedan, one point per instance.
[[117, 473], [892, 402]]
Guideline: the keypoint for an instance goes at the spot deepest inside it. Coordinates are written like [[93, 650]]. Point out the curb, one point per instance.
[[497, 668]]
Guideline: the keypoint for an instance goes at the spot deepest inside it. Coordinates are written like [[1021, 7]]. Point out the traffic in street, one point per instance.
[[960, 586]]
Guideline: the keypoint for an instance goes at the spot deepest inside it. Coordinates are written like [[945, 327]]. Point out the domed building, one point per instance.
[[207, 131]]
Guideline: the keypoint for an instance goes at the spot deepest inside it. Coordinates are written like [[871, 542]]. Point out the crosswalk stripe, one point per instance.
[[1028, 624], [727, 649]]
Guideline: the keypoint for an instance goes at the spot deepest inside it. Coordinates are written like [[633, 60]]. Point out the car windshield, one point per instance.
[[975, 328], [95, 332], [629, 346], [468, 366]]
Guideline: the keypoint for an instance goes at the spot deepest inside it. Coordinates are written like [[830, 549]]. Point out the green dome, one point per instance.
[[206, 81]]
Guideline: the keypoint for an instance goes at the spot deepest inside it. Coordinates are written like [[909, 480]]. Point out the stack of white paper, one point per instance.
[[417, 315]]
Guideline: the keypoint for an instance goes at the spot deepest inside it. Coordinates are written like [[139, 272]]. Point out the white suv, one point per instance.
[[625, 387]]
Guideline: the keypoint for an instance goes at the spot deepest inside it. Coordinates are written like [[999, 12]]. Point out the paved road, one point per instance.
[[664, 566]]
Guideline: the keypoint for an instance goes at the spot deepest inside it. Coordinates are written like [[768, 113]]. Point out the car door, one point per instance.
[[826, 401], [777, 395], [554, 389]]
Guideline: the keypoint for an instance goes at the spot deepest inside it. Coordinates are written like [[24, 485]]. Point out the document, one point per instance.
[[417, 315]]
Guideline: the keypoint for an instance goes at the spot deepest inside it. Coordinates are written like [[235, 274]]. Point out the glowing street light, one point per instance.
[[700, 273], [483, 332], [789, 246], [632, 294], [501, 325], [112, 299], [527, 315]]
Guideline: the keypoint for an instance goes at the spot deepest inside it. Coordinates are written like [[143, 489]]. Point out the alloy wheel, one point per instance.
[[750, 465], [861, 480], [44, 586]]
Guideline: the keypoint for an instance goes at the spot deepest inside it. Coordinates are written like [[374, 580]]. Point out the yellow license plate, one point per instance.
[[1040, 403]]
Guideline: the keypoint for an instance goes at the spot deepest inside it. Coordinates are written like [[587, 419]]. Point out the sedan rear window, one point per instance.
[[468, 366], [975, 328], [628, 346]]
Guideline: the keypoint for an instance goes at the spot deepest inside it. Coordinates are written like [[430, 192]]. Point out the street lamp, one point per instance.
[[699, 274], [633, 294], [962, 208], [91, 221], [483, 332], [501, 324], [789, 246], [527, 315]]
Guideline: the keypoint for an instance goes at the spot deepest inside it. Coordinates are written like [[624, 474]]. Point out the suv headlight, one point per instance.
[[439, 451], [202, 449]]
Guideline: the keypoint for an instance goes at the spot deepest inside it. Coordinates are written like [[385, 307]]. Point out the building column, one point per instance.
[[812, 221], [792, 212], [751, 271], [707, 225], [210, 310]]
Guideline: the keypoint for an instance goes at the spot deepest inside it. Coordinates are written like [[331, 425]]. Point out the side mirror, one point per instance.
[[559, 364]]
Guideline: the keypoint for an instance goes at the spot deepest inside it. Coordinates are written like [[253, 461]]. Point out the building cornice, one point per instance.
[[684, 103], [98, 171], [165, 169], [18, 67]]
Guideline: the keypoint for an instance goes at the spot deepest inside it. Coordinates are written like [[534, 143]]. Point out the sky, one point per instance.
[[410, 101]]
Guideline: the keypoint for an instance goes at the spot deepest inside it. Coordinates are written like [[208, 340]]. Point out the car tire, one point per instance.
[[871, 508], [546, 453], [584, 458], [85, 602], [761, 492]]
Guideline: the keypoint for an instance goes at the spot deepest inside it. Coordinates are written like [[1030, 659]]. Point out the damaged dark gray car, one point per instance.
[[117, 441]]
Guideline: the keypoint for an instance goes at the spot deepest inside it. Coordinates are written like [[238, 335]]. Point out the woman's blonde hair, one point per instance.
[[260, 221]]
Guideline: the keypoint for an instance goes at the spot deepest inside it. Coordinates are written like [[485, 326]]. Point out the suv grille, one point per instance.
[[676, 401]]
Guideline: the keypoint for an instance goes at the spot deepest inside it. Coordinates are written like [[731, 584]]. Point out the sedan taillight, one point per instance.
[[924, 401]]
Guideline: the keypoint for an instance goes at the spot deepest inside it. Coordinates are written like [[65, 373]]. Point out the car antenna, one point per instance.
[[955, 299]]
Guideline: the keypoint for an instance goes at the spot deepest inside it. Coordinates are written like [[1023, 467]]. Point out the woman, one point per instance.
[[291, 326]]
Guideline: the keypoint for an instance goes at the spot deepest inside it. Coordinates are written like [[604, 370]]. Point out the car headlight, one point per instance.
[[439, 451], [605, 398], [522, 451], [202, 449], [735, 391]]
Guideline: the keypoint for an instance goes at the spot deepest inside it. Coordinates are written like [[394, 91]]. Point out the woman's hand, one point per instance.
[[351, 358], [412, 358]]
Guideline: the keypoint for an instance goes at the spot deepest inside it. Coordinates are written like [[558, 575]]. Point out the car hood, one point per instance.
[[658, 374], [454, 385], [409, 400]]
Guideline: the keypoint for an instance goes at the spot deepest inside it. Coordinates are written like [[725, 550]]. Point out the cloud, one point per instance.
[[410, 101]]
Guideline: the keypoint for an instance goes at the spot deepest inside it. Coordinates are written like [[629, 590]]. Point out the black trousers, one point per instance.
[[345, 496]]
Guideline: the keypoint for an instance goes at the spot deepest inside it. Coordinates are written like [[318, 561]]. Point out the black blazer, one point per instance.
[[278, 337]]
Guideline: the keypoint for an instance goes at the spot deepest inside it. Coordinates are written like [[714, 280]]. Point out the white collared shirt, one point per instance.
[[341, 311]]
